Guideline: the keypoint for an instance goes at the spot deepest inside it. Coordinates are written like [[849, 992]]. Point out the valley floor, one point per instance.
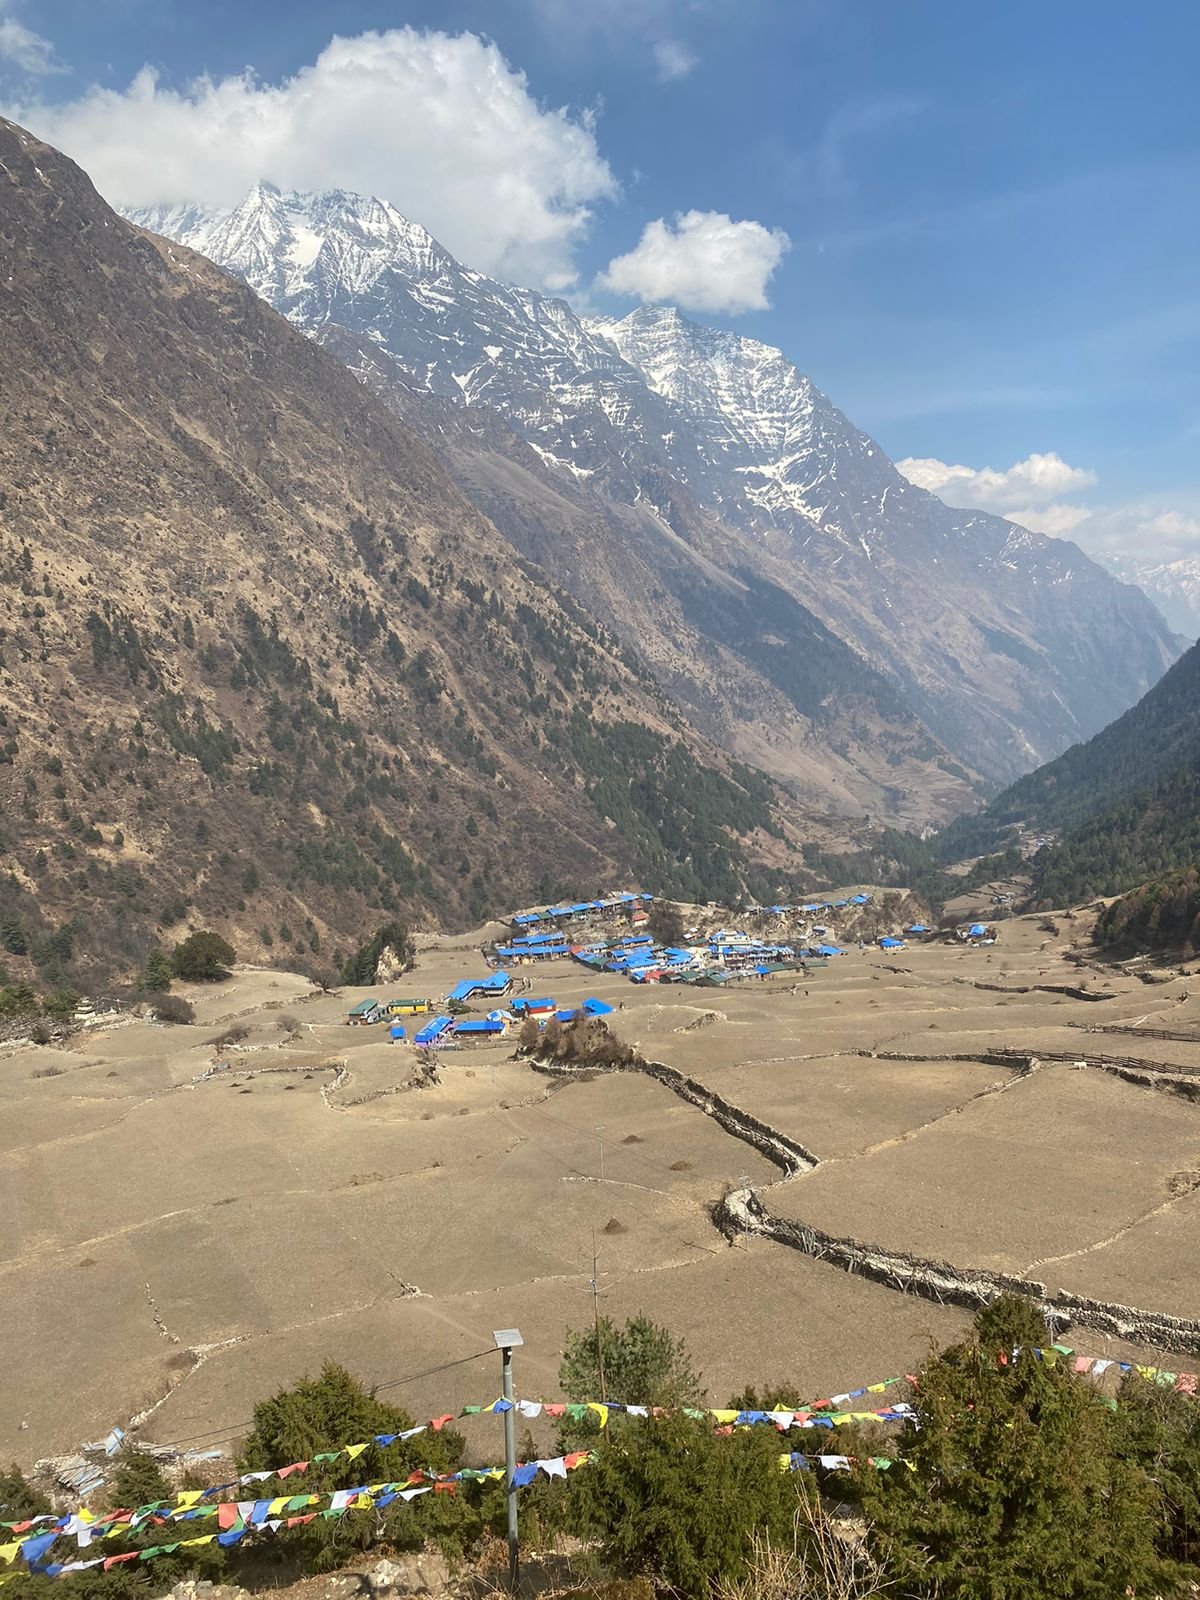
[[176, 1246]]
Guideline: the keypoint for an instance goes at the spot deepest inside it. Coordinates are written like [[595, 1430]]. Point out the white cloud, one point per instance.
[[23, 48], [1037, 478], [672, 60], [1059, 518], [440, 125], [703, 261], [1131, 536], [1143, 532]]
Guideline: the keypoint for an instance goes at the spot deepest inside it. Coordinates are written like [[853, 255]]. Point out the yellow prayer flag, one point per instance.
[[600, 1410], [277, 1505], [205, 1538], [8, 1552], [876, 1388], [355, 1450], [726, 1415], [187, 1498]]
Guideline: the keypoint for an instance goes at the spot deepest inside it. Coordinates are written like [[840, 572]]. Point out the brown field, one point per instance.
[[178, 1249]]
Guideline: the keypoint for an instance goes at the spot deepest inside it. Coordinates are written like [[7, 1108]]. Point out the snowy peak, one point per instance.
[[300, 252], [1006, 642], [793, 451]]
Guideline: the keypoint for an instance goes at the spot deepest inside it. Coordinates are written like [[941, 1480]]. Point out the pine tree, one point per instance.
[[156, 975]]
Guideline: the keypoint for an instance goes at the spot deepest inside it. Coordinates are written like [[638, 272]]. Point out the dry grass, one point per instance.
[[827, 1560], [279, 1228]]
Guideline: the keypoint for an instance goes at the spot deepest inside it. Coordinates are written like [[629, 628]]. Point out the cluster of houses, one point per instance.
[[452, 1028], [714, 957]]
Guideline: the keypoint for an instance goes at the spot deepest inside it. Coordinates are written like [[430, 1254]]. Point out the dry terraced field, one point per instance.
[[173, 1249]]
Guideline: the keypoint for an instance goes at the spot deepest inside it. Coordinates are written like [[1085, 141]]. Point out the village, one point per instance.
[[706, 955]]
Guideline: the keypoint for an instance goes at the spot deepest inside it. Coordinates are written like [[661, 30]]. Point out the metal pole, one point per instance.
[[596, 1313], [510, 1468]]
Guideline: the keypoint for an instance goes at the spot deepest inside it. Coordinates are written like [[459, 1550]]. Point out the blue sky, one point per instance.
[[978, 224]]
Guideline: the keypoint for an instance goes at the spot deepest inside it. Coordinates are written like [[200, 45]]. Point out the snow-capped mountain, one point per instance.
[[1174, 586], [689, 447]]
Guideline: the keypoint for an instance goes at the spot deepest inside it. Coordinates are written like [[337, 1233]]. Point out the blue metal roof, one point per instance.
[[434, 1030]]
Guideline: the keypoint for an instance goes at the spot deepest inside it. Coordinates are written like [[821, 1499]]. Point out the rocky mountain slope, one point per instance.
[[1124, 806], [690, 451], [261, 663]]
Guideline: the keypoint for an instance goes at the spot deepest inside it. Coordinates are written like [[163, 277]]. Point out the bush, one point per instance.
[[1158, 1430], [671, 1500], [1017, 1485], [137, 1481], [174, 1008], [233, 1035], [288, 1024], [783, 1396], [203, 958], [61, 1004], [325, 1413], [644, 1365], [19, 1499]]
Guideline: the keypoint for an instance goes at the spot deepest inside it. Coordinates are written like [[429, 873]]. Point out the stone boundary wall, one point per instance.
[[741, 1211]]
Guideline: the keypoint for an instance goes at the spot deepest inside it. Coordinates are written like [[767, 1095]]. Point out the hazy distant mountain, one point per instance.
[[1174, 586], [695, 450]]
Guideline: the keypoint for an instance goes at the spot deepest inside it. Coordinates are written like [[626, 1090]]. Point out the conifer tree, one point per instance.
[[1013, 1488]]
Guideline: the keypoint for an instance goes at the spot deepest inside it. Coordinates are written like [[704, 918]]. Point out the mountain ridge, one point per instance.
[[262, 662], [1021, 647]]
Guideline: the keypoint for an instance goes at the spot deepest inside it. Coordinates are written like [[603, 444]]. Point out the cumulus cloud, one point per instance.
[[24, 49], [672, 60], [1144, 532], [703, 261], [441, 125], [1038, 478], [1132, 535], [1058, 519]]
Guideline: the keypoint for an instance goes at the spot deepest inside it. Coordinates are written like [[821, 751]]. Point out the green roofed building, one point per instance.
[[365, 1011]]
